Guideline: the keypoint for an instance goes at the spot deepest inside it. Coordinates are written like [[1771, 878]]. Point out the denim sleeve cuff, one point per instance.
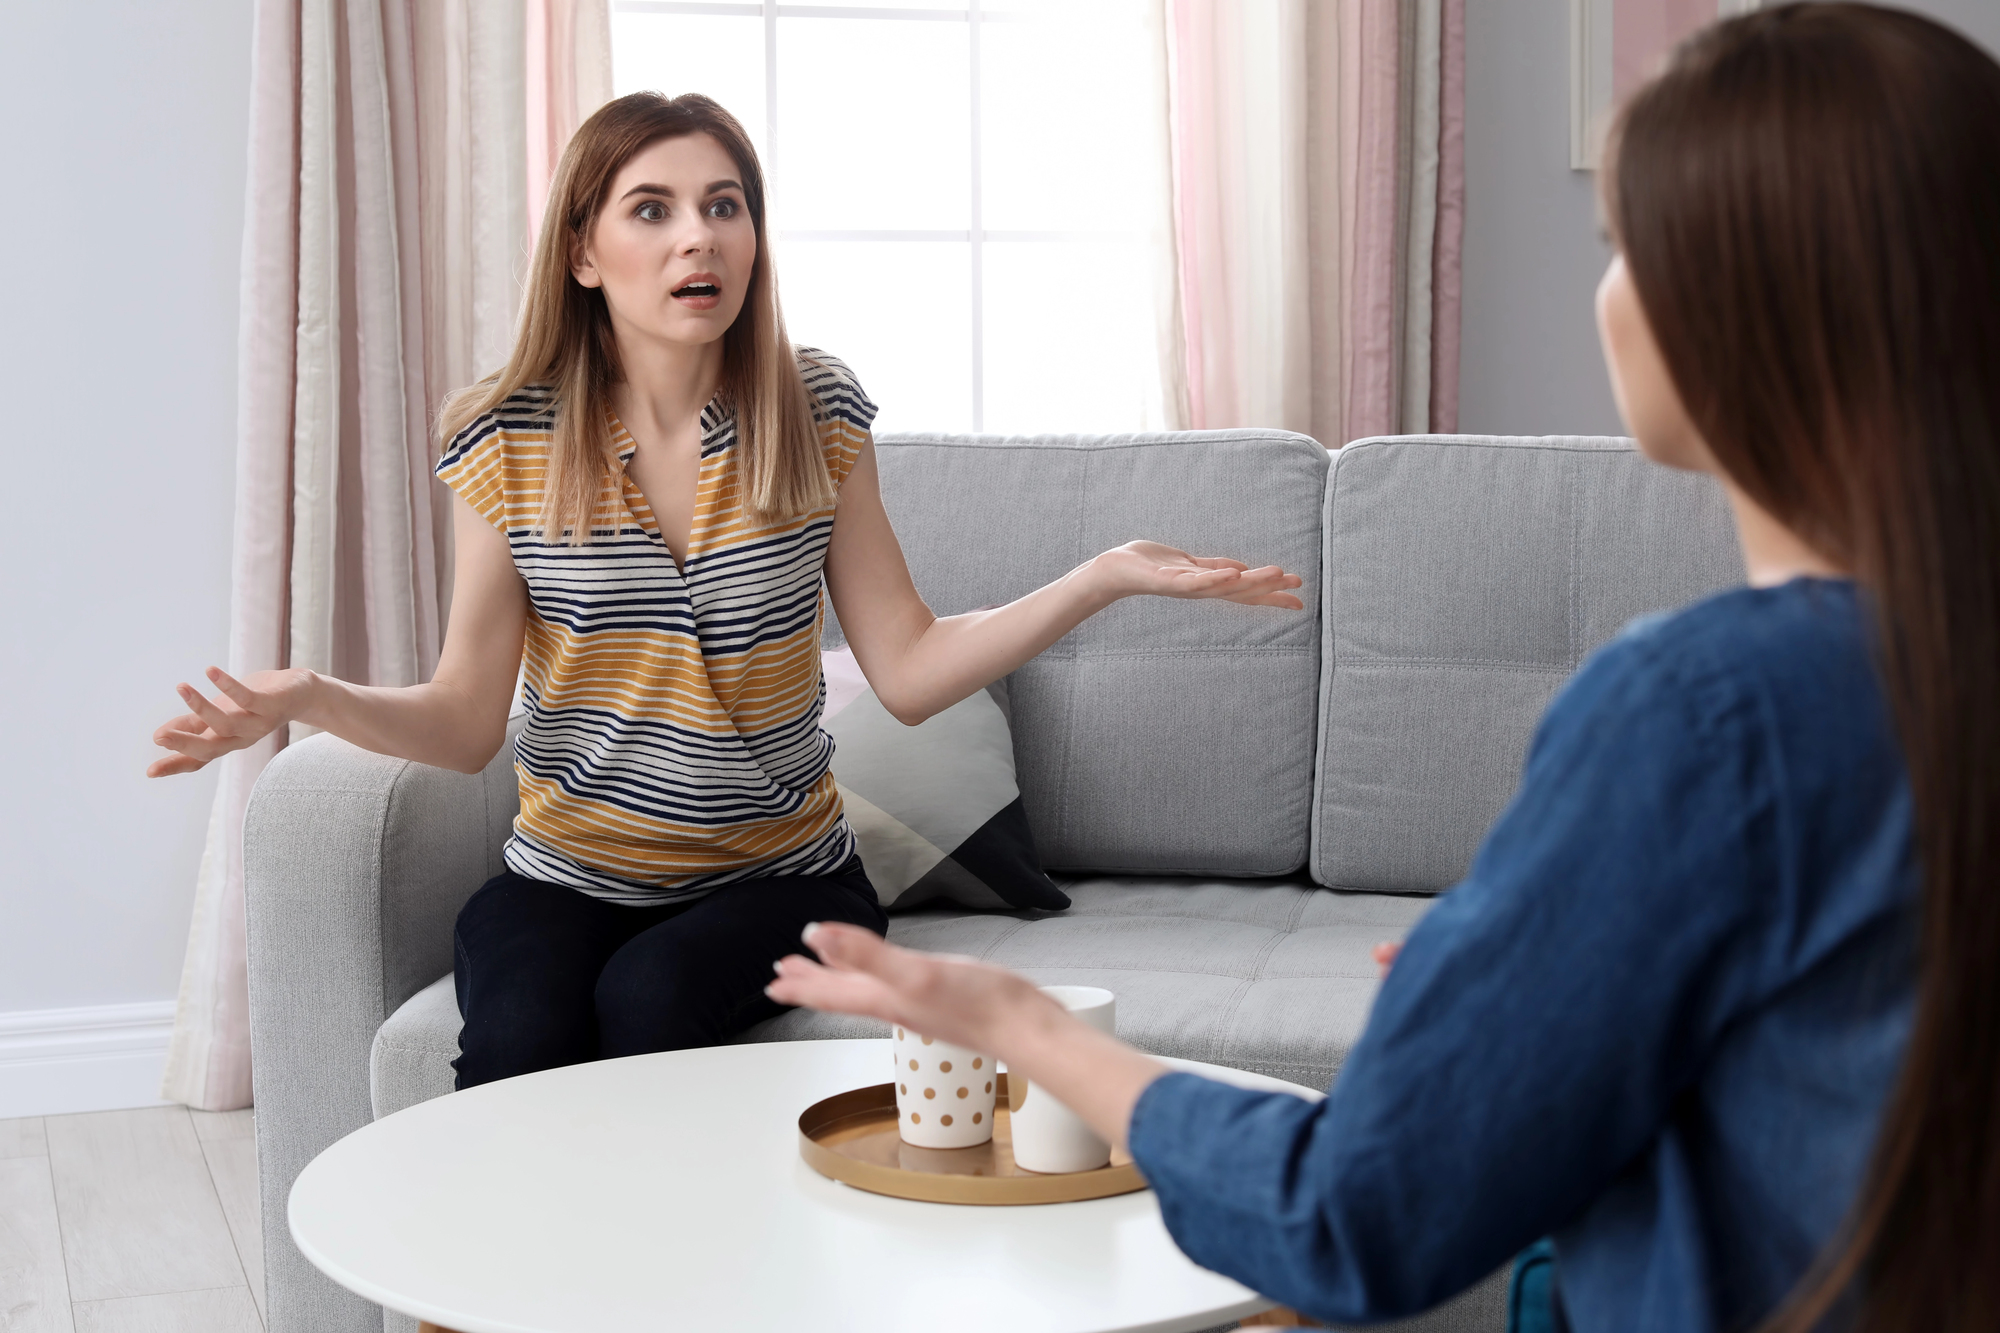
[[1150, 1134]]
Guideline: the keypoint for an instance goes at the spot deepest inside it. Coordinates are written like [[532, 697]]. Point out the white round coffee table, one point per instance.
[[666, 1192]]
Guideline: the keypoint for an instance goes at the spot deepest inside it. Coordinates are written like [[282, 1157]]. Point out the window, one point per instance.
[[967, 203]]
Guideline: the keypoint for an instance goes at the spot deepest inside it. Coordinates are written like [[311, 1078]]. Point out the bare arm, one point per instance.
[[919, 664], [973, 1004], [456, 720]]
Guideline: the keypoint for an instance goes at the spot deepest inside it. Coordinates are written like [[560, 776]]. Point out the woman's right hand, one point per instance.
[[1385, 955], [244, 713]]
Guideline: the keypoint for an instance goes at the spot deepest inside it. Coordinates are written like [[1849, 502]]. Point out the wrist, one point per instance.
[[1032, 1025], [306, 700], [1097, 581]]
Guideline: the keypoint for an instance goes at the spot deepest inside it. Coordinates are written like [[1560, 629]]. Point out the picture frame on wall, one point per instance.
[[1613, 46]]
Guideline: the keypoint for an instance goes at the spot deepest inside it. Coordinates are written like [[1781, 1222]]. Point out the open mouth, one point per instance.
[[698, 291]]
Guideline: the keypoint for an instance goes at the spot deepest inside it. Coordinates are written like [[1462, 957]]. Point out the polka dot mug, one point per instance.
[[944, 1093]]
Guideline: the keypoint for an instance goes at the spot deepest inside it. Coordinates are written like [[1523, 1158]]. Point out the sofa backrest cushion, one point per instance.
[[1467, 577], [1160, 736]]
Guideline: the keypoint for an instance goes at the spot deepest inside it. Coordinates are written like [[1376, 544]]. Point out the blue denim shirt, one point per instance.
[[1658, 1019]]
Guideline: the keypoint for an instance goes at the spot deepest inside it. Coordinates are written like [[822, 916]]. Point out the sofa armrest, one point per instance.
[[355, 867]]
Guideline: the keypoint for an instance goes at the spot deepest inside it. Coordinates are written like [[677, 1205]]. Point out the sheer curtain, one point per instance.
[[385, 234], [1319, 201]]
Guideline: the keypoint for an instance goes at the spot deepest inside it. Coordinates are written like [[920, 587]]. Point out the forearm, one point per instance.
[[1094, 1074], [437, 723], [932, 662]]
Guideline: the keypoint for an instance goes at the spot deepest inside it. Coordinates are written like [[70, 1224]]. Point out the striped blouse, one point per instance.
[[673, 740]]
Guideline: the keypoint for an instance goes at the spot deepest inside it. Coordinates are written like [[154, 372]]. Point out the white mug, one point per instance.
[[944, 1093], [1048, 1136]]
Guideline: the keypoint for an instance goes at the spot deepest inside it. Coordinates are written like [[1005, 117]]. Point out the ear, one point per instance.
[[580, 266]]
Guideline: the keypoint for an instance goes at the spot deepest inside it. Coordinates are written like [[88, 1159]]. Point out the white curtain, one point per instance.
[[385, 236], [1319, 187]]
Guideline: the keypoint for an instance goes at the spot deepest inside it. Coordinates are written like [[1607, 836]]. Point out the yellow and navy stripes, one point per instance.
[[673, 740]]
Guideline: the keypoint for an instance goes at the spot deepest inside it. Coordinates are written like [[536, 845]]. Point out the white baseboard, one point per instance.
[[103, 1058]]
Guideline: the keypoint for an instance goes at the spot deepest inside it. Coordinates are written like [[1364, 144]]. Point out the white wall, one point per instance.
[[122, 139], [1532, 251]]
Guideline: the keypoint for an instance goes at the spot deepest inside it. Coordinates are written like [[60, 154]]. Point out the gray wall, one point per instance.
[[122, 132], [1532, 249]]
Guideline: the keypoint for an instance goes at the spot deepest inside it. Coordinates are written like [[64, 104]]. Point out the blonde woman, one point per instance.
[[648, 497]]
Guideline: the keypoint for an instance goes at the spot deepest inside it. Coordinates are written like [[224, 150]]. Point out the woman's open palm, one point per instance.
[[1151, 568], [243, 713]]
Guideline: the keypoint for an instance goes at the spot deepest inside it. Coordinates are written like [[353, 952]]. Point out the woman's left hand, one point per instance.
[[1150, 568], [973, 1004], [953, 999]]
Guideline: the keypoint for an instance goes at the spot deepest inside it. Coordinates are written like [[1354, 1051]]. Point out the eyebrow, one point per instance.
[[666, 192]]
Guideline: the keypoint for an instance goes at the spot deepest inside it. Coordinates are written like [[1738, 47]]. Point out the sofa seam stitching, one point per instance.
[[1002, 938], [1235, 1000], [1329, 666], [1105, 444], [1470, 664], [1249, 978], [1575, 559], [1525, 443], [1217, 650], [381, 935], [1073, 684], [1073, 915]]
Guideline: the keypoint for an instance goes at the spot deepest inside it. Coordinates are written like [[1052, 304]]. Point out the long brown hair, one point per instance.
[[1808, 201], [566, 342]]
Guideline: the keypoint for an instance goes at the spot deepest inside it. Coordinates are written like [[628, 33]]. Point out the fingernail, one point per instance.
[[807, 933], [778, 966]]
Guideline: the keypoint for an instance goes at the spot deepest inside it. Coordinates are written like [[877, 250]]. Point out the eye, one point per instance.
[[651, 211], [723, 208]]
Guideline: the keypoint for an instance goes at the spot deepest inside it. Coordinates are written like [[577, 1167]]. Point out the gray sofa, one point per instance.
[[1240, 801]]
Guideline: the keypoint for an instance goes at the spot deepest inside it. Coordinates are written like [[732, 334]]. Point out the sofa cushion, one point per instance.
[[410, 1061], [1468, 576], [934, 807], [1272, 976], [1160, 736]]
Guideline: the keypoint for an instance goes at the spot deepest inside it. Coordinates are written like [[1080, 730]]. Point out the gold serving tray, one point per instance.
[[853, 1138]]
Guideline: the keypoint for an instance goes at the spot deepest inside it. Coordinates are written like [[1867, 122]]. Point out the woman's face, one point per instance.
[[673, 247], [1647, 399]]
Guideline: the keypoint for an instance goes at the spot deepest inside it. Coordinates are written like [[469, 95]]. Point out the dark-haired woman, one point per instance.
[[647, 497], [1718, 1004]]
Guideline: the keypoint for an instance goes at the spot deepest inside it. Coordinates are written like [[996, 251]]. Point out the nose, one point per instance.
[[700, 240]]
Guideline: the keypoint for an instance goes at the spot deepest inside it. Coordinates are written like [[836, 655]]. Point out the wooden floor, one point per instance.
[[130, 1222]]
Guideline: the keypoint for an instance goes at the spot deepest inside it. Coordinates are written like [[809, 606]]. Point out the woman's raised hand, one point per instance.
[[241, 715], [1150, 568]]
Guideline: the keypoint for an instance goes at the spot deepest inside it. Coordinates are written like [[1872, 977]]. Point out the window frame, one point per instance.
[[975, 15]]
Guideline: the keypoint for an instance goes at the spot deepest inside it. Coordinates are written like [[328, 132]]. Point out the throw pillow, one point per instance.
[[934, 806]]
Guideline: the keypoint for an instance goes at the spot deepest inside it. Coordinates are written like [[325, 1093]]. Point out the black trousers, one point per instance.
[[548, 975]]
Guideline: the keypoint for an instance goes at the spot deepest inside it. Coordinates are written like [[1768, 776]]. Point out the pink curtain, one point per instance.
[[1319, 201], [384, 241], [569, 76]]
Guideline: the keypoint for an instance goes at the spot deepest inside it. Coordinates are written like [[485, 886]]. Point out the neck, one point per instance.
[[1772, 552], [666, 384]]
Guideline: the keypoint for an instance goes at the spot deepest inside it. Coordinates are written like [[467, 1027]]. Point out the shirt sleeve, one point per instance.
[[847, 413], [474, 466], [1530, 1041]]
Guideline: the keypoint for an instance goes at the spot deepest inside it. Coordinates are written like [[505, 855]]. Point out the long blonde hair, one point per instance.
[[566, 340]]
